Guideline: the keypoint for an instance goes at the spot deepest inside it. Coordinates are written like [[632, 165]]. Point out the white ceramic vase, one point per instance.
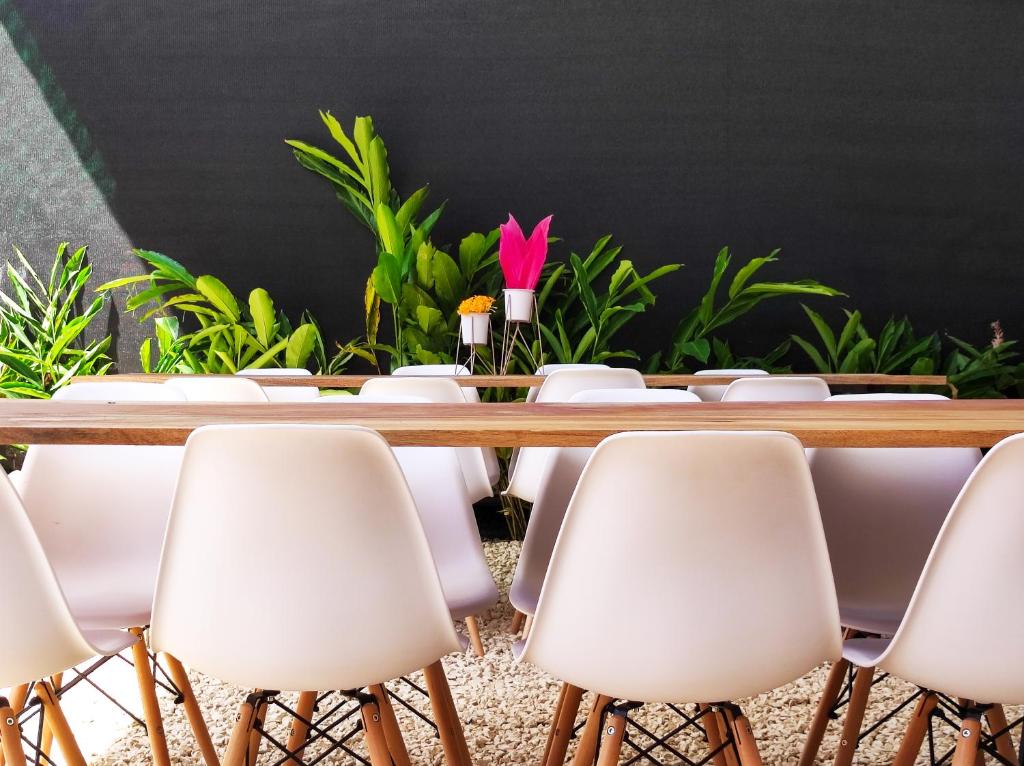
[[518, 305], [476, 329]]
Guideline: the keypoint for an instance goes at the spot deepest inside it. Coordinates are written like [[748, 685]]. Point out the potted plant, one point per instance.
[[475, 319], [521, 262]]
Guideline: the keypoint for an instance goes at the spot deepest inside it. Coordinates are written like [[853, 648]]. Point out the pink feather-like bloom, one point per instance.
[[522, 259]]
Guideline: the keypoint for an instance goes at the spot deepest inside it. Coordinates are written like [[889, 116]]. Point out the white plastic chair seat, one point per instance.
[[771, 388], [866, 652]]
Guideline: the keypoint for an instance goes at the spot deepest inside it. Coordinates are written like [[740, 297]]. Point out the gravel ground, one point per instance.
[[506, 709]]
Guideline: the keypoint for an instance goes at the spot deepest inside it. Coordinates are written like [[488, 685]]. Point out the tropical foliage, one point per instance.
[[43, 333], [201, 327]]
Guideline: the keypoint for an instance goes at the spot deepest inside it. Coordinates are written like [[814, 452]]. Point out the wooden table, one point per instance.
[[976, 423], [525, 381]]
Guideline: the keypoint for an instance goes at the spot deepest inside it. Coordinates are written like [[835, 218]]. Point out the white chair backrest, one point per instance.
[[561, 473], [547, 369], [336, 515], [714, 393], [42, 637], [100, 510], [204, 388], [716, 533], [284, 393], [444, 391], [634, 395], [964, 627], [561, 385], [881, 509], [777, 389], [432, 370]]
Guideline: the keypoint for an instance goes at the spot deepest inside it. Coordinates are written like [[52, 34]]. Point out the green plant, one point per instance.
[[694, 337], [42, 329], [985, 372], [223, 335], [854, 350], [584, 304], [363, 185]]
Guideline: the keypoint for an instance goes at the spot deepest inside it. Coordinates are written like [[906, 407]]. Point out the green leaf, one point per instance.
[[745, 273], [167, 268], [428, 318], [410, 208], [261, 308], [817, 360], [387, 278], [339, 135], [380, 181], [448, 281], [300, 346], [707, 303], [390, 235], [217, 293], [824, 332]]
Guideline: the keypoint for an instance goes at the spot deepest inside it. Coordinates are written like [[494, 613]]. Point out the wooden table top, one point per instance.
[[525, 381], [975, 423]]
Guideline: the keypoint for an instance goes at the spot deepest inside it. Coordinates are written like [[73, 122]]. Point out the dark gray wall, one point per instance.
[[879, 144]]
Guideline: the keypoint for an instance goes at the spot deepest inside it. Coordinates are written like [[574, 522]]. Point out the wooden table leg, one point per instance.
[[389, 723], [192, 710], [58, 724], [611, 740], [823, 713], [917, 728], [300, 730], [10, 735], [848, 741], [586, 750], [449, 727], [150, 705]]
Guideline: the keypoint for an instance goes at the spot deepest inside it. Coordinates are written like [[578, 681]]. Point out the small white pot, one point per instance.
[[476, 329], [518, 305]]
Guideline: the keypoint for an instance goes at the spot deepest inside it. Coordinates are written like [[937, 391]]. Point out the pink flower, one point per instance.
[[522, 259]]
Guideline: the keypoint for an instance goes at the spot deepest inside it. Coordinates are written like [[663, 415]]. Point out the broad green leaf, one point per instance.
[[745, 273], [380, 181], [339, 135], [448, 281], [390, 236], [387, 278], [167, 268], [300, 346], [410, 208], [261, 309], [217, 293]]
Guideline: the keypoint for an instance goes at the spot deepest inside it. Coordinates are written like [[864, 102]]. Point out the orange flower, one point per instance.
[[478, 304]]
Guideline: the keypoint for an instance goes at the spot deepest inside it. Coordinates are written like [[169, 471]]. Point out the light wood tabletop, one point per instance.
[[976, 423], [525, 381]]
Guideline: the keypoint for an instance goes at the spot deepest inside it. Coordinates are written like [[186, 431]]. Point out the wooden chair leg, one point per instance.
[[724, 726], [527, 624], [300, 731], [453, 740], [10, 735], [586, 750], [862, 679], [473, 627], [743, 737], [19, 695], [917, 728], [996, 718], [238, 745], [823, 713], [53, 717], [517, 622], [255, 737], [611, 739], [150, 705], [46, 741], [192, 710], [376, 743], [389, 723], [712, 733], [967, 741], [562, 722]]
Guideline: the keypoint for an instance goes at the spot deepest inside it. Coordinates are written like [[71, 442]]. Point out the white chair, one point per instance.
[[440, 391], [560, 386], [881, 510], [471, 394], [40, 635], [435, 479], [729, 554], [216, 388], [361, 603], [284, 393], [547, 369], [100, 512], [963, 629], [777, 389], [714, 393], [561, 474]]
